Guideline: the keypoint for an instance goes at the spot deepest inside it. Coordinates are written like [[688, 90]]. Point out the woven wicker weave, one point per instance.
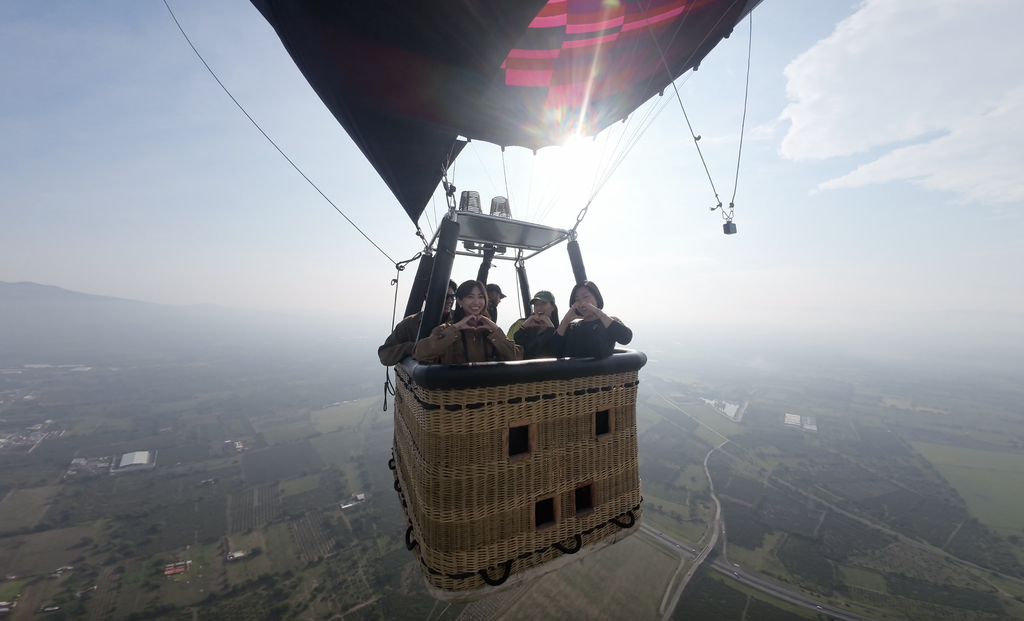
[[470, 508]]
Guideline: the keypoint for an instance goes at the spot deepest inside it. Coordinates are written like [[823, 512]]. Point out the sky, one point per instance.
[[879, 193]]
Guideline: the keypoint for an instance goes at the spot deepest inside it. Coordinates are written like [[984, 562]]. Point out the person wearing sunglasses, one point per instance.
[[403, 339]]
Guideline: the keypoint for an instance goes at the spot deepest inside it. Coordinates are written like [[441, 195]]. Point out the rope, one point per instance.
[[743, 123], [389, 387], [269, 139], [668, 70]]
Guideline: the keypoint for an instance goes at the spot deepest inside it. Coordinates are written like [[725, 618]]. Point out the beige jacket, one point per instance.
[[446, 345]]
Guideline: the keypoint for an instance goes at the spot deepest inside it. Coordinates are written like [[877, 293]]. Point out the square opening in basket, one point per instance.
[[518, 439], [584, 499], [545, 513], [602, 424]]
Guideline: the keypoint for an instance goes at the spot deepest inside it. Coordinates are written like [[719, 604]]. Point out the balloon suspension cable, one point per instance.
[[389, 387], [579, 219], [269, 139], [504, 173], [743, 122], [679, 98]]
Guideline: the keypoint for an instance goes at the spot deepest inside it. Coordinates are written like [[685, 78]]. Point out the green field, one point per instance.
[[631, 575], [861, 578], [344, 415], [289, 433], [10, 590], [299, 485], [279, 462], [337, 447], [992, 484], [41, 553], [23, 508]]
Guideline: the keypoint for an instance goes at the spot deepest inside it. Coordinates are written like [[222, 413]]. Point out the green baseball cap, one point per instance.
[[543, 296]]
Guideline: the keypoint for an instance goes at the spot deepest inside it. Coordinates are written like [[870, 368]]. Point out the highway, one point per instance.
[[743, 576]]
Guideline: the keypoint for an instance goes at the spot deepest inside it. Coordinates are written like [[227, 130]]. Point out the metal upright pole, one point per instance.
[[576, 259], [485, 265], [440, 275], [524, 287]]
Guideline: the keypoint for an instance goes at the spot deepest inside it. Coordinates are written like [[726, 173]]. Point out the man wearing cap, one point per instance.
[[535, 333], [402, 341], [494, 297]]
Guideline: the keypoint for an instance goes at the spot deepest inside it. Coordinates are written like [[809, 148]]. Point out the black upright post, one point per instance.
[[440, 275], [419, 286], [524, 287], [576, 259], [485, 266]]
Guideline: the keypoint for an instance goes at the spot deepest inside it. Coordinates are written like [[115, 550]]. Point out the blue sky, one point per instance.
[[880, 189]]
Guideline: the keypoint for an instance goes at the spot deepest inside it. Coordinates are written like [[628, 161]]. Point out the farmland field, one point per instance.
[[42, 552], [290, 433], [279, 462], [23, 508], [343, 415], [337, 447], [625, 581], [299, 485], [992, 484]]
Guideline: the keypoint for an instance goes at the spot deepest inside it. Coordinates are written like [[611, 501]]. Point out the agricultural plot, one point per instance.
[[254, 507], [803, 559], [23, 508], [280, 547], [248, 606], [101, 604], [299, 485], [916, 610], [992, 484], [41, 553], [624, 581], [184, 454], [312, 538], [280, 462], [344, 415], [857, 577], [336, 448], [252, 565], [744, 528], [290, 433], [800, 521]]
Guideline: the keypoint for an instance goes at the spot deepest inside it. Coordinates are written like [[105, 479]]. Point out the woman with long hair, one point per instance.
[[586, 331], [471, 335]]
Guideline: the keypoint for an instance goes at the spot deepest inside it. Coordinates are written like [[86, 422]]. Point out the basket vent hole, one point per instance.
[[544, 512], [584, 499], [602, 423], [518, 441]]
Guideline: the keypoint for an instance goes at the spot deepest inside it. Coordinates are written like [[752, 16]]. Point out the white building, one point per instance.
[[139, 460]]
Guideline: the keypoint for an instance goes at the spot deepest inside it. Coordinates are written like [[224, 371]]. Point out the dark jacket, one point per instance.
[[590, 339], [537, 342]]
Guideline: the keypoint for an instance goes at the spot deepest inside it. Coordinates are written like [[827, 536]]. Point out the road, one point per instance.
[[748, 578]]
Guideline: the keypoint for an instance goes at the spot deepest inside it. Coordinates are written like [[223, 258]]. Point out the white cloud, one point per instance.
[[945, 76]]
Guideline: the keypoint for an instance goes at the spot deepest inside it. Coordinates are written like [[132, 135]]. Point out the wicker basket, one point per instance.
[[473, 509]]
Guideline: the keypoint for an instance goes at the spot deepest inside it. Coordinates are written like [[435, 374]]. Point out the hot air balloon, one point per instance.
[[505, 470]]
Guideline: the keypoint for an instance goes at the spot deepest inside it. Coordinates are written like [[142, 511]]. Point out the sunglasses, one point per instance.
[[451, 297]]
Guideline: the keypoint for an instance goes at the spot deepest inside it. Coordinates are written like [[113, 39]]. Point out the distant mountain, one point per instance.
[[34, 293], [51, 325]]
